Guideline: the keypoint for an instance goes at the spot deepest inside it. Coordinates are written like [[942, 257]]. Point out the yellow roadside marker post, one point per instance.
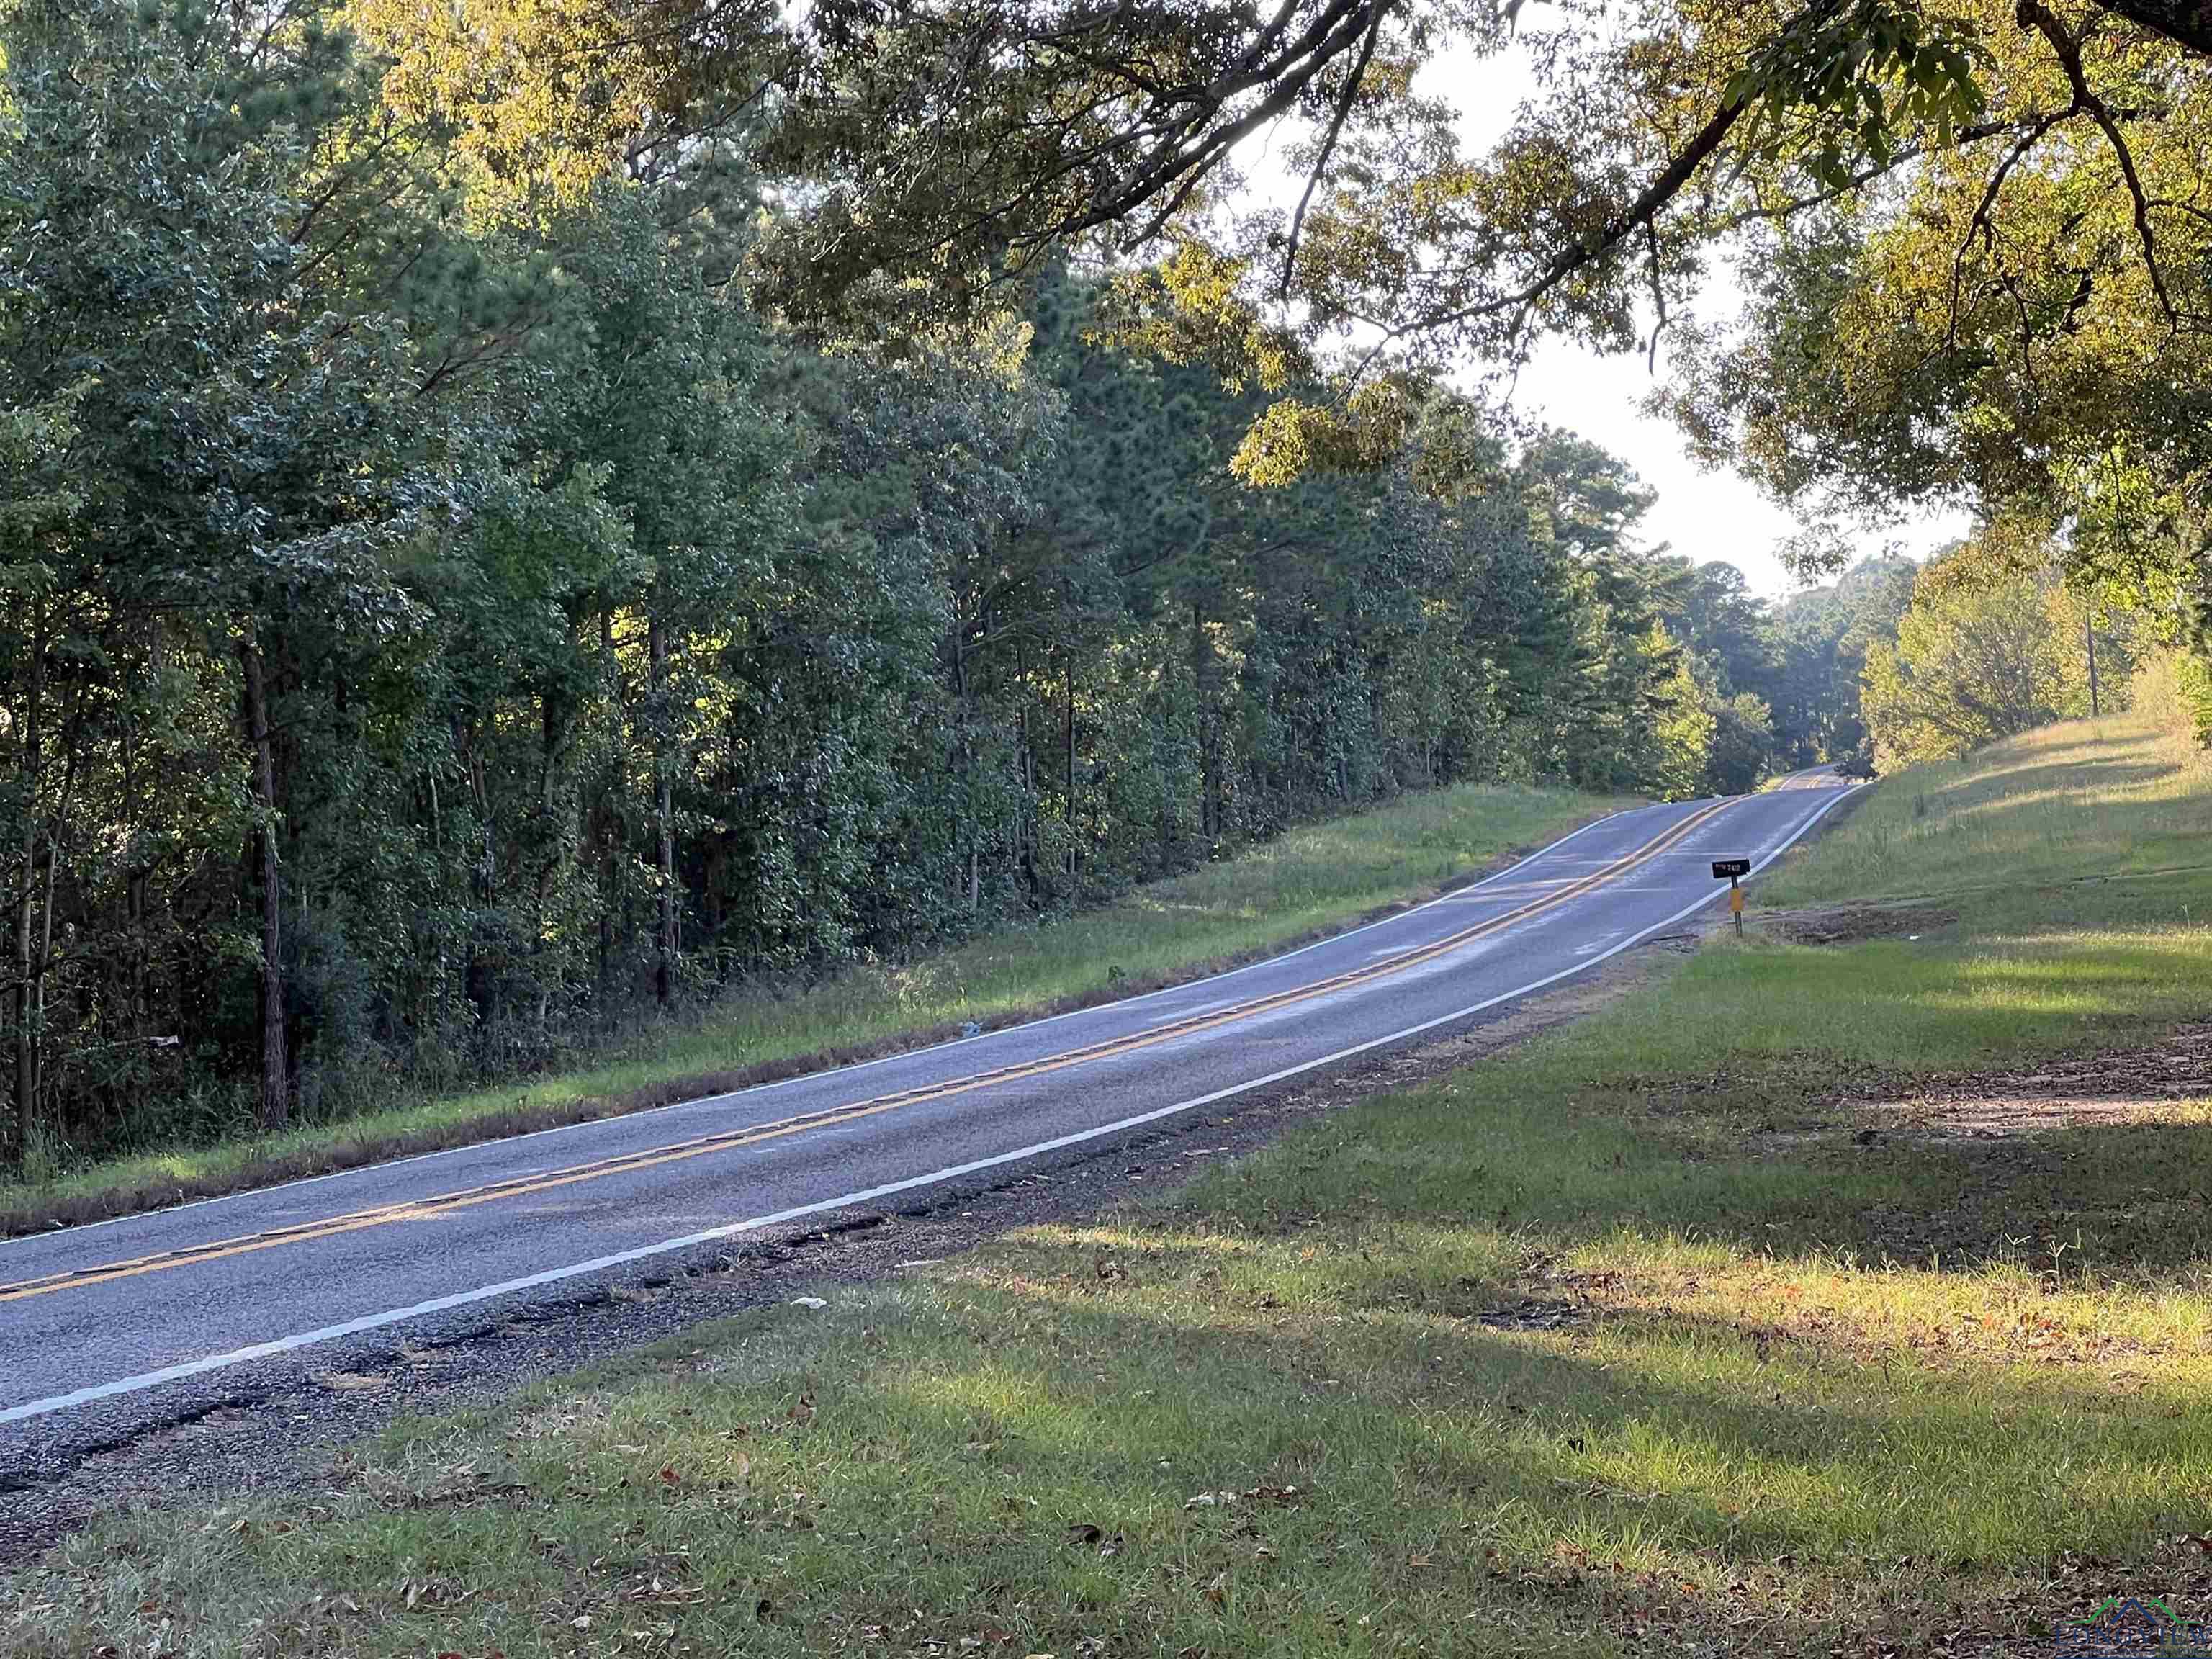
[[1733, 869]]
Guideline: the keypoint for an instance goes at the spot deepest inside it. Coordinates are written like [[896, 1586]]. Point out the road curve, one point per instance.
[[111, 1327]]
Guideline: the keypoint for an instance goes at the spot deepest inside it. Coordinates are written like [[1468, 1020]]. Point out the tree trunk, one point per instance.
[[554, 832], [27, 1041], [1067, 737], [275, 1086], [1202, 675], [136, 884], [963, 757], [663, 812], [611, 805]]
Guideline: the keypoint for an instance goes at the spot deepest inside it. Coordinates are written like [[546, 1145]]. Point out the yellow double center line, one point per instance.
[[444, 1204]]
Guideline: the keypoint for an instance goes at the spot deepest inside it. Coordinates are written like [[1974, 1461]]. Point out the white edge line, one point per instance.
[[845, 1201], [856, 1066]]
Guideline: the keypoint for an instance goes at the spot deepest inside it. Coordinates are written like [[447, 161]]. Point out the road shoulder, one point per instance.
[[253, 1438]]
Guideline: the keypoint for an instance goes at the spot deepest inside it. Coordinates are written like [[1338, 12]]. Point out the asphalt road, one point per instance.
[[108, 1329]]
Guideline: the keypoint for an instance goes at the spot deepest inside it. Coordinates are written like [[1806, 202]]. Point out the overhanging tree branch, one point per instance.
[[2186, 22], [1344, 102], [2034, 14]]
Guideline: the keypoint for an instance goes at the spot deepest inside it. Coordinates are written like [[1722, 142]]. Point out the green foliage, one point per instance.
[[451, 622], [1682, 737], [1822, 636], [2173, 689], [1840, 87], [1975, 661], [1992, 301]]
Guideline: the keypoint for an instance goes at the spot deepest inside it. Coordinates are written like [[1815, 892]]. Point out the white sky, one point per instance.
[[1701, 515]]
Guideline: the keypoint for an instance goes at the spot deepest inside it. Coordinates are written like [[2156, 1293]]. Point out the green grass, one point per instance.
[[2015, 833], [1304, 881], [1670, 1332]]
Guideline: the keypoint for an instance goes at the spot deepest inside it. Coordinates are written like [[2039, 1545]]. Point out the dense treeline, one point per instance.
[[1978, 657], [1778, 687], [442, 626]]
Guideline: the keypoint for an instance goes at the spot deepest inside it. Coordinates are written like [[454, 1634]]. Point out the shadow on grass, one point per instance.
[[2123, 770], [1745, 1159], [2065, 803], [1687, 1447]]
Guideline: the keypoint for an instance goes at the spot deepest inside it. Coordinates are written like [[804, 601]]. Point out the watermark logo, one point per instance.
[[2134, 1627]]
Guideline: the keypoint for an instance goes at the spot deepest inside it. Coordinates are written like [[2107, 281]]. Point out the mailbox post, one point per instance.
[[1734, 870]]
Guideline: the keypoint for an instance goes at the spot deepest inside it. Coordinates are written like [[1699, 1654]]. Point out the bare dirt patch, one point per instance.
[[1847, 924], [1533, 1313], [2164, 1083]]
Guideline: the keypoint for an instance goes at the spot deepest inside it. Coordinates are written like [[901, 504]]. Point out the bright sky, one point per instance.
[[1701, 515]]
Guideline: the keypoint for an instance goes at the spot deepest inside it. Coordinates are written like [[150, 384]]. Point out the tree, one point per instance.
[[2007, 324], [1974, 662], [237, 450], [1042, 120], [1823, 634], [1682, 737], [451, 622], [1741, 750]]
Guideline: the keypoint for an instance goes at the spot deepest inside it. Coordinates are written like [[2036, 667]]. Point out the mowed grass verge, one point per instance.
[[1721, 1323], [1303, 884]]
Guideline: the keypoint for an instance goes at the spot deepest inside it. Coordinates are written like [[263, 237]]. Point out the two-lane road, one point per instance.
[[131, 1321]]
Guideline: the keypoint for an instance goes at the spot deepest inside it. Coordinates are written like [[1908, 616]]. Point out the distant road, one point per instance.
[[108, 1329]]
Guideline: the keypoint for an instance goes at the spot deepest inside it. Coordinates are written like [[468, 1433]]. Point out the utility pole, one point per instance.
[[2089, 633]]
